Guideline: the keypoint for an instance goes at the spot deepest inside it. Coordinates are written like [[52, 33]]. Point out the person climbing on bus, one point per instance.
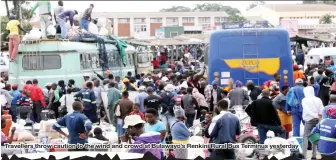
[[89, 101], [86, 18], [14, 37], [62, 21], [44, 14]]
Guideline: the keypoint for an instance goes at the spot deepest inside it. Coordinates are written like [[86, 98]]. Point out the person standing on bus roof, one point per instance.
[[58, 10], [294, 106], [86, 18], [14, 38], [62, 21], [89, 101], [45, 15]]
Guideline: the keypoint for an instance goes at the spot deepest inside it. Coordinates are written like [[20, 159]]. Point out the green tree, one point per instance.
[[326, 19], [176, 9], [4, 31], [332, 2], [252, 5]]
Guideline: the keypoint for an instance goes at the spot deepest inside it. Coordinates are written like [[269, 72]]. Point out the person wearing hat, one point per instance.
[[140, 98], [128, 86], [168, 100], [180, 133], [148, 83], [297, 74], [213, 94], [294, 106], [327, 132], [16, 96], [135, 130]]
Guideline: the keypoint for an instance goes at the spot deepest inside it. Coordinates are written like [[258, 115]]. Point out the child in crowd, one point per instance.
[[136, 111], [98, 134], [25, 104]]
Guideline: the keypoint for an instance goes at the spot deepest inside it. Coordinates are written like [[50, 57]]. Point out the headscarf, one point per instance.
[[331, 112], [215, 82], [238, 84]]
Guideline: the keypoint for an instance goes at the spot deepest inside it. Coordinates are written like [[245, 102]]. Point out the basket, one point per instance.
[[314, 138]]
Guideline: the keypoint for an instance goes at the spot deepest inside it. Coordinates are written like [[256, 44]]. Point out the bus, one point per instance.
[[250, 54], [52, 60]]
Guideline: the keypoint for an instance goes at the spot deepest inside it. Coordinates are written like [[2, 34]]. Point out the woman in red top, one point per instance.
[[155, 63]]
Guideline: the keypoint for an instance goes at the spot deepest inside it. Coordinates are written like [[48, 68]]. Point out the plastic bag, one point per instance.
[[51, 30], [93, 28], [103, 32], [34, 34], [25, 136]]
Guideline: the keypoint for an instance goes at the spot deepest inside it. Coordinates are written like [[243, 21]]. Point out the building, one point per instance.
[[144, 24]]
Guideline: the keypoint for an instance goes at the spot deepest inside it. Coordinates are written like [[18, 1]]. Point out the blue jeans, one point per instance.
[[190, 119], [63, 26], [120, 125], [296, 120], [84, 24], [263, 129], [13, 112]]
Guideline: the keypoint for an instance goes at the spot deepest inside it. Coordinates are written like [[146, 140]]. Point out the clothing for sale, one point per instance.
[[76, 123]]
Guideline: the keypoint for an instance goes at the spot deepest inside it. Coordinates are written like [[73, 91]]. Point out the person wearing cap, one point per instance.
[[14, 37], [168, 100], [180, 133], [135, 130], [294, 106], [148, 83], [297, 74], [327, 132], [140, 98], [128, 86], [16, 96], [89, 102], [325, 86], [213, 94]]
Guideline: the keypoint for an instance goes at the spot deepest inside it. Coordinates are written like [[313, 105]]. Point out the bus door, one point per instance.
[[250, 62]]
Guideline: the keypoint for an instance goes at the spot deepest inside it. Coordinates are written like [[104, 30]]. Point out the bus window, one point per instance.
[[143, 58], [130, 59], [41, 62], [89, 61]]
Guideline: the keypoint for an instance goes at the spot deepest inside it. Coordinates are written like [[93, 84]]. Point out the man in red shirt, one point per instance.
[[36, 95], [155, 63]]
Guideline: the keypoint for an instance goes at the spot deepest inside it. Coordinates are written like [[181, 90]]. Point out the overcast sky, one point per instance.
[[142, 6]]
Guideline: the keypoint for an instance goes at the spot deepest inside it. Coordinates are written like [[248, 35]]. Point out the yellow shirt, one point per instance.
[[13, 27]]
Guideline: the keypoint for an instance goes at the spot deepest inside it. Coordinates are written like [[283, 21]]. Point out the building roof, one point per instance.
[[162, 42], [300, 7], [157, 14]]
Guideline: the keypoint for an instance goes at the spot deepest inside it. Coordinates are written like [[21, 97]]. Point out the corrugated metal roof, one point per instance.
[[162, 42], [300, 7]]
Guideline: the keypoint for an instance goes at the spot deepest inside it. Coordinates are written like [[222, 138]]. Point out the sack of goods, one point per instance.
[[34, 34], [51, 30], [103, 31], [93, 28]]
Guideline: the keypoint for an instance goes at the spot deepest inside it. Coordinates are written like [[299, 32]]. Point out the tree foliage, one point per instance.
[[176, 9], [252, 5], [332, 2], [234, 13], [326, 19]]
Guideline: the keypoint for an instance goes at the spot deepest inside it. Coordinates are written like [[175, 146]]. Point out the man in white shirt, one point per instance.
[[312, 108]]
